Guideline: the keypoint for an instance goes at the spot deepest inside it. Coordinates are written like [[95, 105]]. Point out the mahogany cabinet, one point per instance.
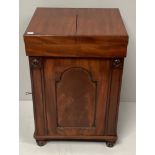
[[76, 62]]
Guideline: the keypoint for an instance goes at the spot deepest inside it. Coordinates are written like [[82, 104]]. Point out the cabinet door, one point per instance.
[[76, 92]]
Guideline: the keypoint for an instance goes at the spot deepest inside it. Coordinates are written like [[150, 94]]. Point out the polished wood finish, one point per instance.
[[80, 100], [100, 22], [76, 61], [87, 138], [81, 22], [54, 22], [76, 89], [77, 50], [79, 33]]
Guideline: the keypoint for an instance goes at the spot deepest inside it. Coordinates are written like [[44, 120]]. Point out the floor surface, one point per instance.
[[124, 146]]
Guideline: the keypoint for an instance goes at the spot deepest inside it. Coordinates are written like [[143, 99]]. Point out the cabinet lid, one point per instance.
[[62, 32], [83, 25]]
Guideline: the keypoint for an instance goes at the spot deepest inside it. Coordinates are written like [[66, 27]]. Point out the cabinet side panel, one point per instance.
[[114, 97], [38, 100]]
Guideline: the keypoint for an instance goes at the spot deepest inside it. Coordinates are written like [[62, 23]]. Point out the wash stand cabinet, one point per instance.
[[76, 61]]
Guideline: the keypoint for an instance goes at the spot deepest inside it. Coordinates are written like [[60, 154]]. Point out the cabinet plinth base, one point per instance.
[[110, 140]]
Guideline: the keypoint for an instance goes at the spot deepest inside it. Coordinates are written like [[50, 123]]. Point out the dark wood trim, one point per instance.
[[38, 94], [114, 97], [98, 138], [35, 62]]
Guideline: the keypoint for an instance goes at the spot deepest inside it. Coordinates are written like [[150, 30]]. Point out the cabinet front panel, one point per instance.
[[76, 93], [75, 98]]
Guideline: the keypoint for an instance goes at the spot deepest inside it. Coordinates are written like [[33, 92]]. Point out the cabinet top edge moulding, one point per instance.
[[101, 28]]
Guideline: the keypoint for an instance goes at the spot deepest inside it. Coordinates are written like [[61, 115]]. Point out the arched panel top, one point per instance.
[[76, 70]]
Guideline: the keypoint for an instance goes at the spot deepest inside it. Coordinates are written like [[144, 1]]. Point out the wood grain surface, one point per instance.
[[79, 22], [76, 61]]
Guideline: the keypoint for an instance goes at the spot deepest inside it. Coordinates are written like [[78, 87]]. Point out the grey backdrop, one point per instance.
[[128, 12]]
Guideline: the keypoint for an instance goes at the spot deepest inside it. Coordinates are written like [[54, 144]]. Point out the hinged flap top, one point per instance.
[[77, 23], [70, 27], [54, 22]]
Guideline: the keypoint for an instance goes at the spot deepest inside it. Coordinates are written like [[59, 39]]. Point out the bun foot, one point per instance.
[[110, 144], [40, 142]]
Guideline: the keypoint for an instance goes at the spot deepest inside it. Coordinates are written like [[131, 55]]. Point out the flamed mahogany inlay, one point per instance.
[[74, 90]]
